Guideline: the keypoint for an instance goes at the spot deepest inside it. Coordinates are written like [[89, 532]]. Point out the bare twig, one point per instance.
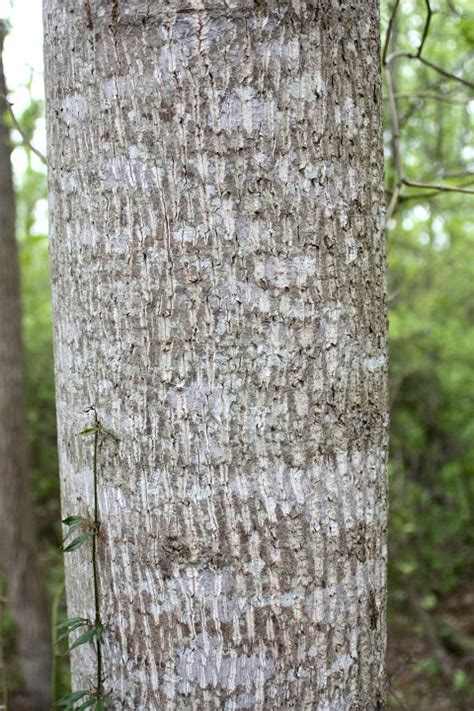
[[430, 96], [388, 36], [395, 124], [395, 199], [420, 196], [443, 72], [395, 127], [20, 130], [410, 55], [440, 70], [429, 13], [440, 187], [392, 96]]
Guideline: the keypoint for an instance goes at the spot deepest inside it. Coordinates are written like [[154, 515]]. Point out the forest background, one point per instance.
[[431, 314]]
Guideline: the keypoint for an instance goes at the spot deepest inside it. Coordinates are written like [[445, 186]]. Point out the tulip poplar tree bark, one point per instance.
[[216, 195], [18, 548]]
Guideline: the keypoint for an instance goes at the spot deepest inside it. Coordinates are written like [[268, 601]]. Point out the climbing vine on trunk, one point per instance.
[[81, 530]]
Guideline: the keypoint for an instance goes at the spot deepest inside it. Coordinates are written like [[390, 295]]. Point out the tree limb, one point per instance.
[[20, 130]]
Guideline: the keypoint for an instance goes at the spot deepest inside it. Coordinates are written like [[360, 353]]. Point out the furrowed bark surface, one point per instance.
[[219, 292], [18, 550]]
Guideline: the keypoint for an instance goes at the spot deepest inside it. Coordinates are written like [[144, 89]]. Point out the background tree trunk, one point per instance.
[[218, 270], [19, 556]]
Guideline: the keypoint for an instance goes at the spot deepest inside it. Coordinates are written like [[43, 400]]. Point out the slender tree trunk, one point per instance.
[[217, 254], [19, 557]]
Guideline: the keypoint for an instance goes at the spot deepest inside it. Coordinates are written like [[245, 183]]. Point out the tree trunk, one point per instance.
[[19, 557], [218, 271]]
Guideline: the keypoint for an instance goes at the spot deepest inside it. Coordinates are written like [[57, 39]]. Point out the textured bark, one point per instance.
[[218, 271], [18, 553]]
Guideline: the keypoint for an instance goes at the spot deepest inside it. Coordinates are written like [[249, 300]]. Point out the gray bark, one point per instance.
[[18, 551], [218, 268]]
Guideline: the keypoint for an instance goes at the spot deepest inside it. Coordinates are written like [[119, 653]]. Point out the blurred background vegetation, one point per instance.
[[431, 330], [431, 311]]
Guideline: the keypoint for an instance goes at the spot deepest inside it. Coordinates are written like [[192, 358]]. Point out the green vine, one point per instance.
[[81, 530]]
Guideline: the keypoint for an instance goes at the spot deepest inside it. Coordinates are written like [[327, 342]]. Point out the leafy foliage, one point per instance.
[[431, 272], [89, 701]]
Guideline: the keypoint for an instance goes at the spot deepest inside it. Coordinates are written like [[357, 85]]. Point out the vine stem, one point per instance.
[[97, 620], [95, 628]]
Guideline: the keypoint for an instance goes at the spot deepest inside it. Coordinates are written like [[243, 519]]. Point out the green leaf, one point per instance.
[[71, 520], [74, 529], [69, 627], [69, 700], [100, 706], [83, 638], [65, 635], [87, 704], [70, 621], [89, 430], [80, 523], [77, 542]]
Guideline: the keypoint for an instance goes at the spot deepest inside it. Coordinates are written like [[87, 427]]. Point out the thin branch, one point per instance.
[[395, 124], [443, 72], [417, 55], [20, 130], [395, 199], [429, 13], [417, 196], [399, 53], [440, 70], [395, 127], [430, 95], [423, 196], [388, 36], [441, 188], [392, 96]]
